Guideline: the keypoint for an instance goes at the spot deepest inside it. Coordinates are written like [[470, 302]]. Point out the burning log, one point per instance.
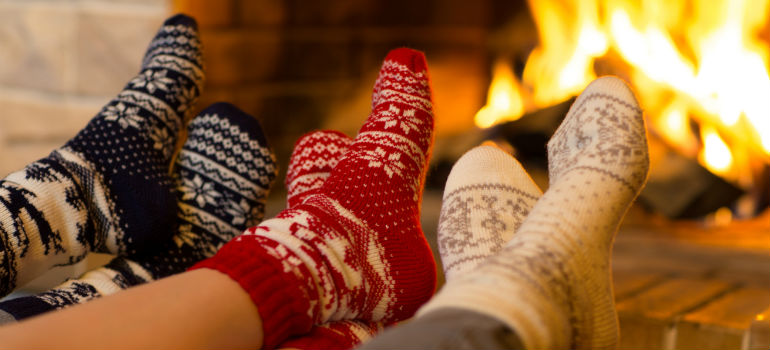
[[679, 187]]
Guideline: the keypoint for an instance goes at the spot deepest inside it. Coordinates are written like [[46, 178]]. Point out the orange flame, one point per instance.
[[701, 61], [715, 153], [504, 100], [570, 39]]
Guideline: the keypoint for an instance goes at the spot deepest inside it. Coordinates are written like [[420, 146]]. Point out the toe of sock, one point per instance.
[[613, 86], [236, 140], [489, 165], [412, 59], [235, 116], [181, 19], [324, 137]]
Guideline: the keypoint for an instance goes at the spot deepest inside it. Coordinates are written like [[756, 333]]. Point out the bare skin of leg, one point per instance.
[[196, 309]]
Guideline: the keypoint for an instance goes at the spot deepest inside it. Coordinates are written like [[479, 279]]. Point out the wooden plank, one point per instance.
[[722, 323], [734, 310], [648, 319], [629, 283], [672, 297]]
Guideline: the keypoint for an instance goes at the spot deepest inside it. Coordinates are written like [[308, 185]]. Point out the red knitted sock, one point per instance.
[[314, 156], [354, 249], [342, 335]]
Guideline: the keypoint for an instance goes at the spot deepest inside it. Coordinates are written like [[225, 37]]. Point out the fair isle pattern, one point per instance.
[[110, 179], [551, 283], [217, 199], [353, 249], [396, 83], [219, 142], [477, 220], [603, 114], [487, 196], [313, 158]]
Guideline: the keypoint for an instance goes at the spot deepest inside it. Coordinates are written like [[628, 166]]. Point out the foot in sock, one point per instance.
[[486, 198], [108, 188], [314, 156], [488, 195], [312, 160], [354, 249], [223, 175], [551, 283]]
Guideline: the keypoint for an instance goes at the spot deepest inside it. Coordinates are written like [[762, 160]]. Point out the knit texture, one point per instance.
[[551, 283], [312, 160], [223, 174], [354, 249], [108, 189], [486, 198], [335, 335]]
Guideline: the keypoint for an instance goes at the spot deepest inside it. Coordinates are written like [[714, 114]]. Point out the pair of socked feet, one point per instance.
[[112, 189], [348, 255]]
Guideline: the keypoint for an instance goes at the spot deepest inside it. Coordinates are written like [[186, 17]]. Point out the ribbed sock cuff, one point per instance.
[[280, 296]]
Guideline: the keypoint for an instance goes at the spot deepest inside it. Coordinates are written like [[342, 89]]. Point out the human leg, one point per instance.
[[354, 250], [487, 196], [108, 188], [551, 283], [448, 328], [311, 163], [343, 232], [196, 309], [223, 175]]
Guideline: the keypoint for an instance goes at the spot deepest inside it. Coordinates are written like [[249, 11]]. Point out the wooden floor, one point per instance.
[[677, 285], [682, 285], [675, 294]]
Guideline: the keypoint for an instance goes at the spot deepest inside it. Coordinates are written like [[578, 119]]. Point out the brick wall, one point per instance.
[[60, 61], [302, 65], [295, 65]]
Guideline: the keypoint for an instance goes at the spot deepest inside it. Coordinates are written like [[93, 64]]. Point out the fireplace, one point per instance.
[[692, 260]]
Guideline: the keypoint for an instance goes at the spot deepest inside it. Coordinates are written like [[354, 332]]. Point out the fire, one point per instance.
[[715, 153], [504, 101], [571, 38], [701, 62]]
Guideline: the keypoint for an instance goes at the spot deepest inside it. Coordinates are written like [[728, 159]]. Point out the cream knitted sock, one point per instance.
[[487, 196], [551, 283]]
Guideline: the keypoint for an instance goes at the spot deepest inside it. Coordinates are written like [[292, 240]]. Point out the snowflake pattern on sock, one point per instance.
[[354, 249], [112, 178], [552, 282], [312, 160], [226, 154], [486, 198]]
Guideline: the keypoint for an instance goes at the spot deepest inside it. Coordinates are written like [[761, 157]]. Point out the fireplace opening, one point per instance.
[[692, 259]]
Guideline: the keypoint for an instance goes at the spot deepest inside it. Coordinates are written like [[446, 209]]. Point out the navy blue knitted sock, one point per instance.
[[223, 175], [108, 189]]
